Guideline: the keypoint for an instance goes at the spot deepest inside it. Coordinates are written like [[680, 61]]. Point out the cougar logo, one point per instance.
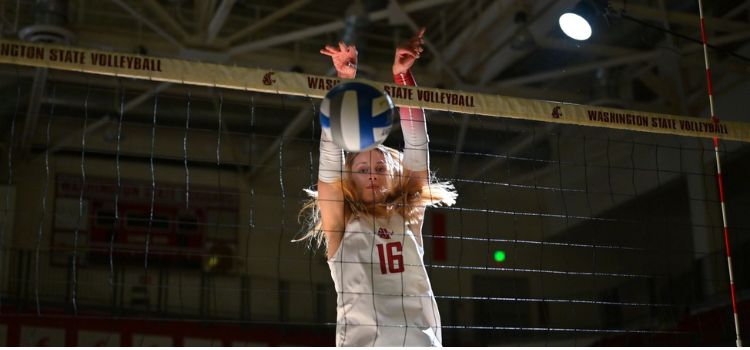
[[384, 233], [556, 112], [268, 78]]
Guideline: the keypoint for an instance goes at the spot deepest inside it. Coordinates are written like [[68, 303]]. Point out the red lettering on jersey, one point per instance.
[[391, 253]]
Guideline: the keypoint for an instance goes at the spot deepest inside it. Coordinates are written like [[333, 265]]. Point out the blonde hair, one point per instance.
[[403, 197]]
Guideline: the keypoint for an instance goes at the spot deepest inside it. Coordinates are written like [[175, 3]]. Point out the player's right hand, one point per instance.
[[344, 59]]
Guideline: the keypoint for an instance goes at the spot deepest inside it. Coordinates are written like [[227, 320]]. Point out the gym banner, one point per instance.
[[270, 81]]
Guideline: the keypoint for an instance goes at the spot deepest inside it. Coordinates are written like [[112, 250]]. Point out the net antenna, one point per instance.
[[719, 177]]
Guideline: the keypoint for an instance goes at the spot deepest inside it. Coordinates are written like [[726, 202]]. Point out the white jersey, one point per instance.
[[384, 297]]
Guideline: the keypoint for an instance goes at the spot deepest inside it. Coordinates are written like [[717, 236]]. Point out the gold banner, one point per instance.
[[260, 80]]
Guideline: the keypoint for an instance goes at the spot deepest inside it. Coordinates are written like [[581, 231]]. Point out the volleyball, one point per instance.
[[356, 116]]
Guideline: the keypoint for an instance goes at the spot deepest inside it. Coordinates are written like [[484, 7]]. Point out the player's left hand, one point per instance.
[[408, 52]]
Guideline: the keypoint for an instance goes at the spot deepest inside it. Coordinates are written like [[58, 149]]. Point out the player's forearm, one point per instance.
[[414, 128], [330, 163]]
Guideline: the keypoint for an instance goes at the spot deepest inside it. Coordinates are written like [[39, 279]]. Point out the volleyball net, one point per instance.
[[153, 192]]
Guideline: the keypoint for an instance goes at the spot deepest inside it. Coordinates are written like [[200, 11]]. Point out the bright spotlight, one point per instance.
[[578, 23], [575, 26]]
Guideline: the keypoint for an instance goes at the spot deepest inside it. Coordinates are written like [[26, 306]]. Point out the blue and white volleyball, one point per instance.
[[357, 116]]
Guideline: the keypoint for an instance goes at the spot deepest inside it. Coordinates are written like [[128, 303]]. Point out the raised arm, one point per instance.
[[331, 163], [416, 153], [413, 126]]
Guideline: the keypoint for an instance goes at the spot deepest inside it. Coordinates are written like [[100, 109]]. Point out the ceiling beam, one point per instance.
[[582, 68], [639, 57], [541, 20], [682, 18], [670, 66], [326, 28], [220, 17], [167, 18], [148, 23], [485, 22], [585, 47], [665, 89], [265, 21], [202, 10], [737, 10]]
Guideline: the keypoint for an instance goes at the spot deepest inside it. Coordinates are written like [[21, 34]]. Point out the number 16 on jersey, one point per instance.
[[391, 260]]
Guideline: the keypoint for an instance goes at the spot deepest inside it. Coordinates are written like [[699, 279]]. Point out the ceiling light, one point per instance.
[[578, 22]]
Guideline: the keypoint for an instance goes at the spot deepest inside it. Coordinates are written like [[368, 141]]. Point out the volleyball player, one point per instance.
[[368, 212]]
